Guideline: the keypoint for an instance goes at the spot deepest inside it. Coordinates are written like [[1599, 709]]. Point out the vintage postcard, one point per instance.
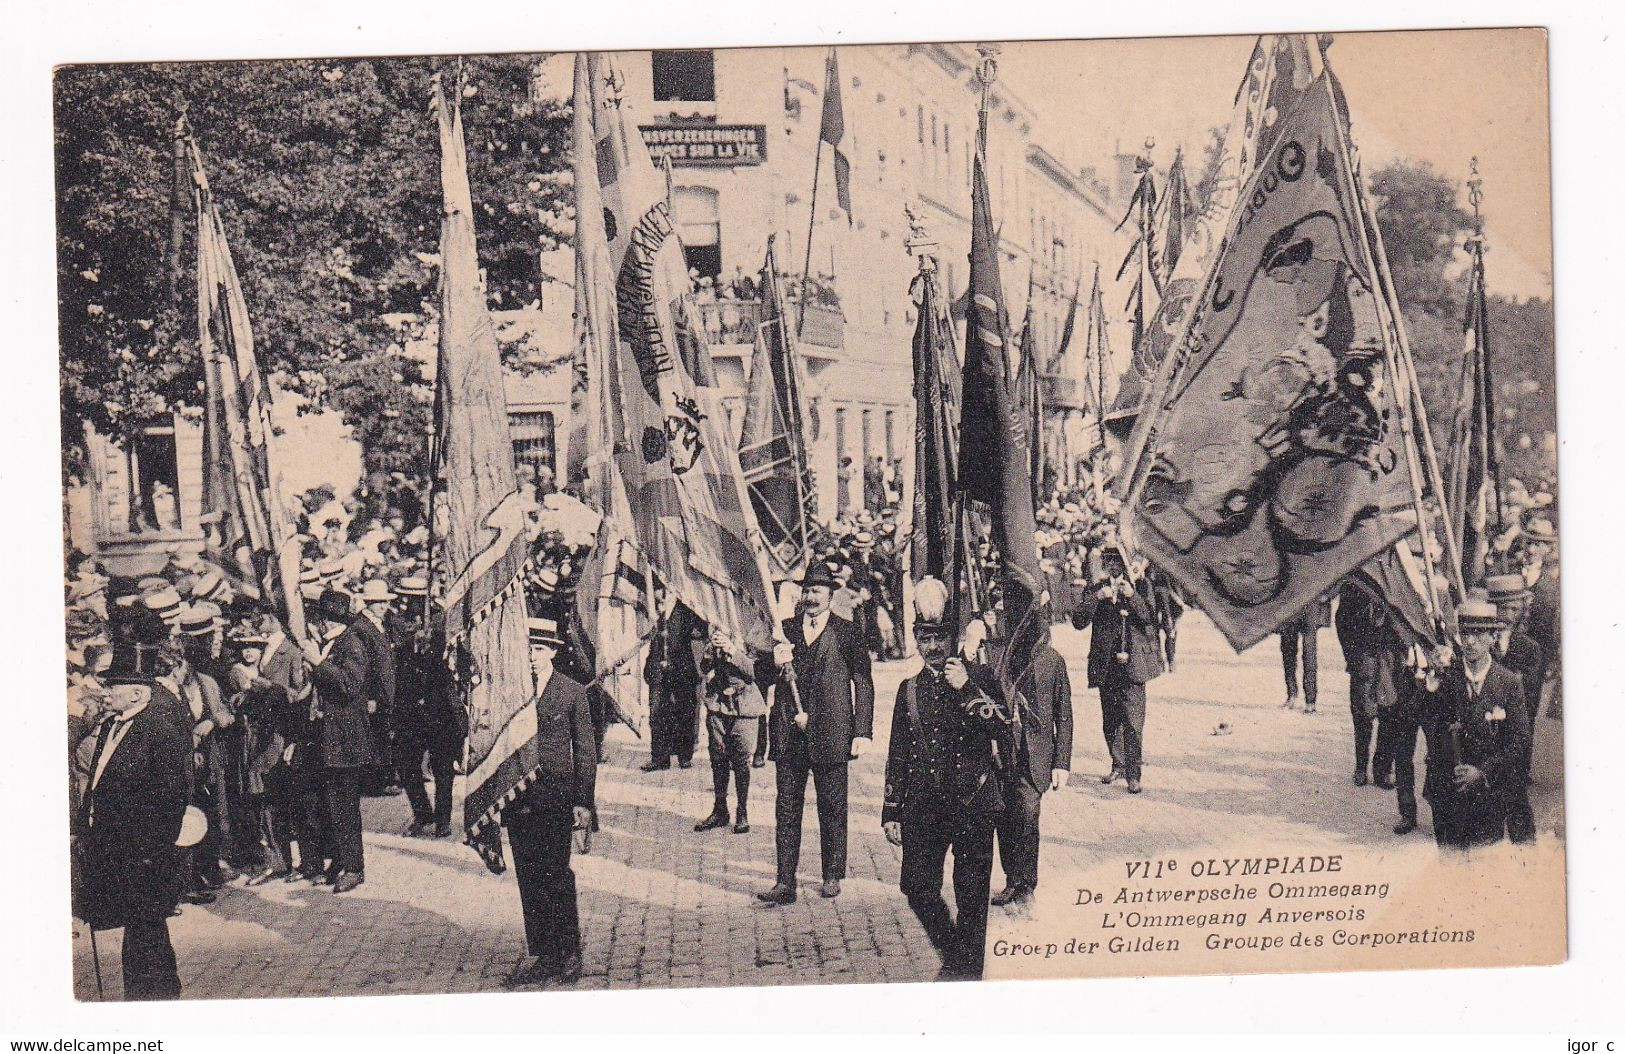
[[809, 515]]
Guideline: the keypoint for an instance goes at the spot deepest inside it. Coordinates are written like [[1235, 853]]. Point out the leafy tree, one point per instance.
[[327, 173]]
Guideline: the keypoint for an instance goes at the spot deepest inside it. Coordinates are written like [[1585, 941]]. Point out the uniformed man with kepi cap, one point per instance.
[[942, 788]]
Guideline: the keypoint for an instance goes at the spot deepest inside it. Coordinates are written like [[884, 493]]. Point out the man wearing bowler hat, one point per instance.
[[1518, 652], [822, 718], [1124, 654], [350, 672]]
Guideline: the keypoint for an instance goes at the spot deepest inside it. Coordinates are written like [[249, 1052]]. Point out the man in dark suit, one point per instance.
[[429, 721], [822, 717], [673, 679], [127, 826], [1477, 729], [1124, 655], [1518, 652], [1042, 741], [353, 676], [540, 820], [942, 789]]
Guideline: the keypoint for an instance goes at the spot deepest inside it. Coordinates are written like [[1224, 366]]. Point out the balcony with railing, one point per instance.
[[735, 322]]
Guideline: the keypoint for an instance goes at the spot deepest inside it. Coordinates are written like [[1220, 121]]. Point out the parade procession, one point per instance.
[[887, 543]]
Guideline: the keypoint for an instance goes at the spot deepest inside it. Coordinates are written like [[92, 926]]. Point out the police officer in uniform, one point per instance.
[[942, 789]]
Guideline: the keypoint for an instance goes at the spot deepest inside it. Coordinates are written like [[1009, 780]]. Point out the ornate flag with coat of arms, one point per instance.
[[690, 517], [1278, 456], [479, 519]]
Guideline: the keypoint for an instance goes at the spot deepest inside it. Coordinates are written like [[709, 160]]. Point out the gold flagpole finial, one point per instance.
[[919, 242], [1475, 197]]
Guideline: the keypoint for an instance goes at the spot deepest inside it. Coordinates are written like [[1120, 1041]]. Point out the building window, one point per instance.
[[699, 225], [684, 76], [154, 475], [535, 448]]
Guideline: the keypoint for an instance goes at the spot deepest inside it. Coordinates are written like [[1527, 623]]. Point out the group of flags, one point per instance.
[[1276, 451]]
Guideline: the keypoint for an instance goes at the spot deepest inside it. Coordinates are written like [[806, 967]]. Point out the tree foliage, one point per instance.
[[1424, 230], [327, 174]]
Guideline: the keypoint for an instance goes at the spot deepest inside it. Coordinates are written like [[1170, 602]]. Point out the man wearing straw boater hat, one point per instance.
[[1518, 652], [128, 824], [942, 789], [557, 801], [1477, 730]]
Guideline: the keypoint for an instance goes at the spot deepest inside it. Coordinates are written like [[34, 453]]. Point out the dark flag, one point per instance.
[[479, 588], [994, 465], [1472, 469], [772, 440], [936, 434], [1031, 400], [249, 534], [1175, 207], [1059, 361], [831, 129]]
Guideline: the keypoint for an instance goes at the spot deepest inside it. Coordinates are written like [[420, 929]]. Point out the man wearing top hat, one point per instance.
[[942, 789], [1124, 655], [352, 673], [1477, 729], [128, 823], [541, 819], [822, 718]]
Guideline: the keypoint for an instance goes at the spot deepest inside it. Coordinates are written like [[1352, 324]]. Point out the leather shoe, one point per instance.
[[712, 822], [302, 875], [198, 896], [741, 824], [1405, 826], [1360, 778], [442, 830], [758, 763], [347, 881], [1005, 896], [1109, 778], [685, 764], [779, 894], [830, 889], [654, 766], [419, 829], [570, 969], [538, 971], [1134, 786], [1385, 782]]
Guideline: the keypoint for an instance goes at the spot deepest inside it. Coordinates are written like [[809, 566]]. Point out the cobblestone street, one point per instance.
[[663, 906]]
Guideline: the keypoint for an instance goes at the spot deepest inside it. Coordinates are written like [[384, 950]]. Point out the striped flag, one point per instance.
[[479, 518], [250, 535]]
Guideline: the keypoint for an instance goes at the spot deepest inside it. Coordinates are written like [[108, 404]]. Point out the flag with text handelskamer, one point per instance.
[[691, 519], [1276, 461], [994, 464], [479, 518], [249, 535], [772, 440], [831, 129], [613, 599], [1278, 70]]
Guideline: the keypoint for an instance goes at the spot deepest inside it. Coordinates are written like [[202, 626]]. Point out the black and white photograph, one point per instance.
[[847, 513]]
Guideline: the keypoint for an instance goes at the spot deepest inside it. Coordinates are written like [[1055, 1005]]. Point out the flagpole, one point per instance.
[[812, 222], [1481, 340]]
